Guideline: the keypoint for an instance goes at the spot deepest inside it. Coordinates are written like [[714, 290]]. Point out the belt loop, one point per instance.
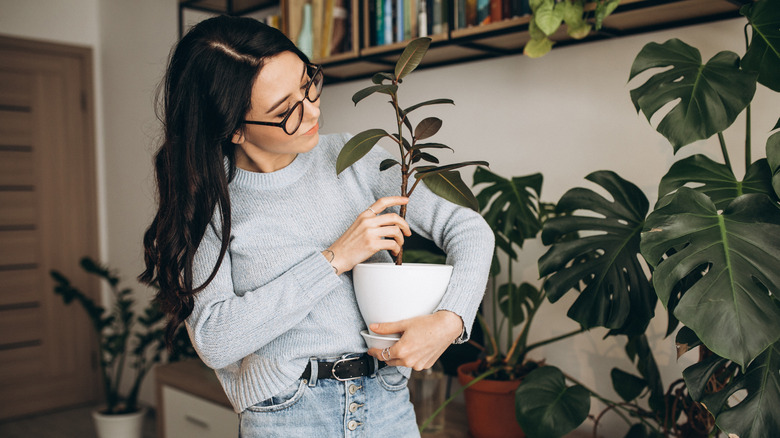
[[375, 368], [314, 365]]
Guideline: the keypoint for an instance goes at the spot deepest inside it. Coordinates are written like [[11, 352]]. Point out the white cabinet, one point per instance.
[[193, 417]]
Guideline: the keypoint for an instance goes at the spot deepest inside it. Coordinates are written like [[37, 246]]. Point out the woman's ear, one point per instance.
[[238, 137]]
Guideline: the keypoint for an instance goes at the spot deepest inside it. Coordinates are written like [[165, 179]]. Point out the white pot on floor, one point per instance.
[[387, 293], [119, 426]]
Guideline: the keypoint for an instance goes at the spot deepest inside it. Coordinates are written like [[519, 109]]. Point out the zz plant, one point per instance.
[[119, 345], [416, 159], [711, 244]]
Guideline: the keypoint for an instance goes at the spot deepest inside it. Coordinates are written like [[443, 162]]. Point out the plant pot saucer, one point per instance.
[[377, 341]]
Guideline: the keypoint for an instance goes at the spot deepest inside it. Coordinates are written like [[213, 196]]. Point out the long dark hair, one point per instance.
[[206, 94]]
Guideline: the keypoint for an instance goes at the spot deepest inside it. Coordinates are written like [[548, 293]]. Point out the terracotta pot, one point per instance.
[[490, 405]]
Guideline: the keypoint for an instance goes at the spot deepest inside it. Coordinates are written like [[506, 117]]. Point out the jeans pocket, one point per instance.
[[391, 379], [283, 400]]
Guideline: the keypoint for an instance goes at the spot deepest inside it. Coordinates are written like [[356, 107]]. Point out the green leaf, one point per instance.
[[548, 16], [715, 180], [417, 156], [763, 54], [729, 309], [427, 128], [686, 340], [421, 146], [525, 300], [573, 16], [706, 99], [388, 163], [755, 415], [411, 57], [510, 207], [603, 9], [450, 186], [628, 386], [357, 147], [773, 158], [538, 48], [429, 102], [546, 407], [385, 89], [617, 293], [431, 170], [378, 78], [638, 350]]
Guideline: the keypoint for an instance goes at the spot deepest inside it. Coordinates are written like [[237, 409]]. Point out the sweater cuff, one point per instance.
[[314, 273]]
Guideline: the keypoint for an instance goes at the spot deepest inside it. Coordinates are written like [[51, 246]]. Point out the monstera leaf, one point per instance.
[[546, 407], [773, 157], [755, 414], [710, 96], [510, 206], [729, 308], [617, 293], [716, 180], [763, 55], [525, 301]]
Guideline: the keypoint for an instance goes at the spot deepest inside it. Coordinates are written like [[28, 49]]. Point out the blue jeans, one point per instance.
[[371, 407]]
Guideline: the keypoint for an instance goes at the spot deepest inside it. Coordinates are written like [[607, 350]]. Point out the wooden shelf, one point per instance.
[[509, 37]]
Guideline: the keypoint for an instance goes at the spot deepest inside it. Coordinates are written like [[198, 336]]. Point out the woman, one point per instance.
[[255, 237]]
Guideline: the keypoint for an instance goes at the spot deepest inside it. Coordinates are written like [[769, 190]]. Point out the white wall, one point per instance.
[[565, 115]]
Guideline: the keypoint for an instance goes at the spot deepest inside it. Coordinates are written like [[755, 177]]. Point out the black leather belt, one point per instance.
[[349, 368]]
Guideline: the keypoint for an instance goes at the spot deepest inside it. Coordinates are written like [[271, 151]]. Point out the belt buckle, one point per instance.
[[335, 364]]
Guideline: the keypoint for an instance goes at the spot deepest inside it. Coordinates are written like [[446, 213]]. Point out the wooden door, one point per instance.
[[48, 220]]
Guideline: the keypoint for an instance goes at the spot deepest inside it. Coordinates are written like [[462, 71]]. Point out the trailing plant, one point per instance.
[[416, 158], [119, 345], [711, 244], [579, 16]]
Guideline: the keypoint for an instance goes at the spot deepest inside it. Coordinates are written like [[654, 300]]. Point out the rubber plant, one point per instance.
[[513, 210], [579, 16], [711, 244], [416, 159], [118, 341]]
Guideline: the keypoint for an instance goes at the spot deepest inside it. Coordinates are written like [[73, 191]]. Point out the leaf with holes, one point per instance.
[[511, 207], [730, 308], [753, 415], [706, 98], [546, 407], [716, 180], [617, 294], [525, 299], [763, 54]]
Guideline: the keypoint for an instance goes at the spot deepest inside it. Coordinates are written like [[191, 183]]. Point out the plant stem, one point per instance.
[[404, 168], [604, 400], [748, 147], [457, 393], [725, 151], [510, 310], [555, 339]]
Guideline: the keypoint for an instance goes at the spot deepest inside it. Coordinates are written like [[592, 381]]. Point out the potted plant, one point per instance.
[[712, 243], [513, 210], [120, 347], [580, 16], [412, 289]]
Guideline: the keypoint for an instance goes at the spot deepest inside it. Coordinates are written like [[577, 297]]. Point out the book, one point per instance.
[[387, 21], [317, 16], [294, 19], [398, 16], [327, 29], [380, 22], [483, 11], [436, 27], [408, 19], [471, 13], [339, 39], [422, 19], [496, 10]]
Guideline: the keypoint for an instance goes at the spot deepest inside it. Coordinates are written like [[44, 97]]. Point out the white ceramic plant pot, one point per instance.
[[119, 426], [388, 293]]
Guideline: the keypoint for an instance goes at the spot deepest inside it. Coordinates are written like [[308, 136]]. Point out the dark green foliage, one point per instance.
[[118, 340]]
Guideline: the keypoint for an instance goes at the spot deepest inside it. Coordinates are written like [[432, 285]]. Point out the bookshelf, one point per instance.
[[500, 38]]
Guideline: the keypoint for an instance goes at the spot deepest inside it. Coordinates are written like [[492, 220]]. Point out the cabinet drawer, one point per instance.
[[192, 417]]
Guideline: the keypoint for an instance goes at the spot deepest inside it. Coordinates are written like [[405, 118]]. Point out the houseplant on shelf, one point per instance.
[[118, 344], [413, 289], [514, 212], [579, 16], [712, 243]]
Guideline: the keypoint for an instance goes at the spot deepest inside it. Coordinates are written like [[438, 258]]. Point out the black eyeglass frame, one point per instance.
[[283, 123]]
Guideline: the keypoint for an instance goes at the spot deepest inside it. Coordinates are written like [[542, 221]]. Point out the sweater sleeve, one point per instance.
[[460, 232], [225, 327]]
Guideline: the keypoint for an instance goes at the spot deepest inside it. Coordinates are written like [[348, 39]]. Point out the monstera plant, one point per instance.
[[711, 245]]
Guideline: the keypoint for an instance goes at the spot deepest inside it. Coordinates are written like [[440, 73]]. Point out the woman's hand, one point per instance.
[[423, 340], [370, 233]]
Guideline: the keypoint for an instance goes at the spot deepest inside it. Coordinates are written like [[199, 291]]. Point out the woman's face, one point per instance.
[[279, 85]]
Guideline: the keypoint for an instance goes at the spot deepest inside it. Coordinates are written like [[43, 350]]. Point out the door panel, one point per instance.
[[48, 221]]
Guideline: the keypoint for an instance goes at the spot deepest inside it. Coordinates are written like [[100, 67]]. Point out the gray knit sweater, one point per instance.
[[276, 301]]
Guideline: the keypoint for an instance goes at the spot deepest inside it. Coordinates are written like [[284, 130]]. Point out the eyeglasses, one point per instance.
[[292, 121]]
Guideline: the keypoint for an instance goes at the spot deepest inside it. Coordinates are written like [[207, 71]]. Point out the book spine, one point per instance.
[[483, 11], [399, 20], [437, 17], [380, 22], [471, 13], [407, 19], [422, 19], [387, 22]]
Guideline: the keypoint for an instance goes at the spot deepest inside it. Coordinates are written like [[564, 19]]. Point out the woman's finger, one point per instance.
[[390, 219], [382, 204]]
